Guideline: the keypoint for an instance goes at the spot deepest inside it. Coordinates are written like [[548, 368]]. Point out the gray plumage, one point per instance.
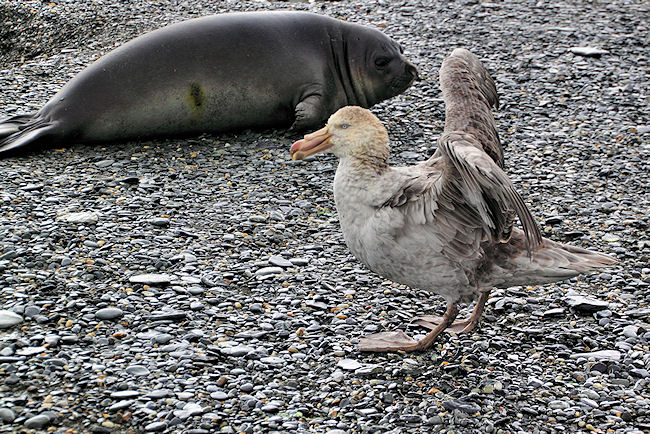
[[445, 225]]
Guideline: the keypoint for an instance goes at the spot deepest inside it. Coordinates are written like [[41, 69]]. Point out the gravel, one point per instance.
[[251, 307]]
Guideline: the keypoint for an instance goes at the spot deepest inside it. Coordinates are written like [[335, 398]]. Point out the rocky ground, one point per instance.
[[250, 316]]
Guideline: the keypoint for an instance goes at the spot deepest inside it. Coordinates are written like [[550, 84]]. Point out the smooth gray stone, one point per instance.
[[586, 304], [137, 370], [611, 355], [82, 218], [588, 51], [237, 351], [156, 427], [558, 404], [7, 415], [125, 394], [151, 279], [37, 422], [457, 404], [348, 364], [279, 261], [9, 319], [219, 396], [30, 351], [167, 316], [120, 405], [631, 331], [104, 163], [109, 313], [159, 393], [268, 270]]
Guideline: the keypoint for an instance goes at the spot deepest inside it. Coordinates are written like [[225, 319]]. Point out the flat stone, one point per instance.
[[168, 316], [9, 319], [190, 409], [151, 279], [458, 404], [109, 313], [610, 355], [279, 261], [219, 396], [37, 422], [558, 404], [554, 220], [137, 370], [251, 334], [247, 387], [82, 218], [588, 51], [237, 351], [299, 262], [32, 187], [535, 383], [30, 351], [316, 305], [121, 405], [348, 364], [268, 270], [589, 402], [631, 331], [104, 163], [276, 361], [159, 393], [585, 304], [558, 311], [125, 394], [369, 370], [156, 427], [160, 222]]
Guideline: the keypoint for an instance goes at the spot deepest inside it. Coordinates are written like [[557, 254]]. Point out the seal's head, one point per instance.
[[376, 63]]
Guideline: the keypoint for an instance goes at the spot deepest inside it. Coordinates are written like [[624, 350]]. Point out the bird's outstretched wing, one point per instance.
[[460, 202], [469, 93]]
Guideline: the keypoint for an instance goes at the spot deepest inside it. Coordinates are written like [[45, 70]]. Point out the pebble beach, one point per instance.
[[201, 285]]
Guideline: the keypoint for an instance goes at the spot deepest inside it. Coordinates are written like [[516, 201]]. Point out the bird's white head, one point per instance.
[[350, 132]]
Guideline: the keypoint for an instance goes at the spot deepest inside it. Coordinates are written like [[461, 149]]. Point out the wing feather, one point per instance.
[[488, 188], [469, 93]]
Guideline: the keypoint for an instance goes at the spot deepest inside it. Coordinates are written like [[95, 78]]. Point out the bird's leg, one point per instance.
[[399, 341], [463, 326]]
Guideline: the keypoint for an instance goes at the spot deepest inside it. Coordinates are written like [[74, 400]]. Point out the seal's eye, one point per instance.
[[380, 62], [344, 126]]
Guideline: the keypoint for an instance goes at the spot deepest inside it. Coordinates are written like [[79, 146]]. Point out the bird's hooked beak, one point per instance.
[[311, 144]]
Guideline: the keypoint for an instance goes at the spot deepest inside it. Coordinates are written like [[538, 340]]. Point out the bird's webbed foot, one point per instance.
[[400, 341]]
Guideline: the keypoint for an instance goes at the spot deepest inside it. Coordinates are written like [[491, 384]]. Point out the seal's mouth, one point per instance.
[[311, 144], [404, 81]]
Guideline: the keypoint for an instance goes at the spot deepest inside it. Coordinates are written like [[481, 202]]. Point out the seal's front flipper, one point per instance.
[[21, 132], [309, 114]]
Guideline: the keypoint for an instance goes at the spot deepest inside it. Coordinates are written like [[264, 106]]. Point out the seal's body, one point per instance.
[[219, 73]]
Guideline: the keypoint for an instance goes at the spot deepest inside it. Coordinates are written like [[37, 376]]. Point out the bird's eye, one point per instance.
[[380, 62], [344, 126]]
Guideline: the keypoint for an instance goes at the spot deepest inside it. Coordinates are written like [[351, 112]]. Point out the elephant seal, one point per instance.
[[218, 73]]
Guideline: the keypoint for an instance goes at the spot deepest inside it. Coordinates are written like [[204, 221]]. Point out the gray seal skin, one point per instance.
[[218, 73]]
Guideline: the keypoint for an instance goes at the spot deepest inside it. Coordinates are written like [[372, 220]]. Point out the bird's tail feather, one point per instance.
[[551, 262]]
